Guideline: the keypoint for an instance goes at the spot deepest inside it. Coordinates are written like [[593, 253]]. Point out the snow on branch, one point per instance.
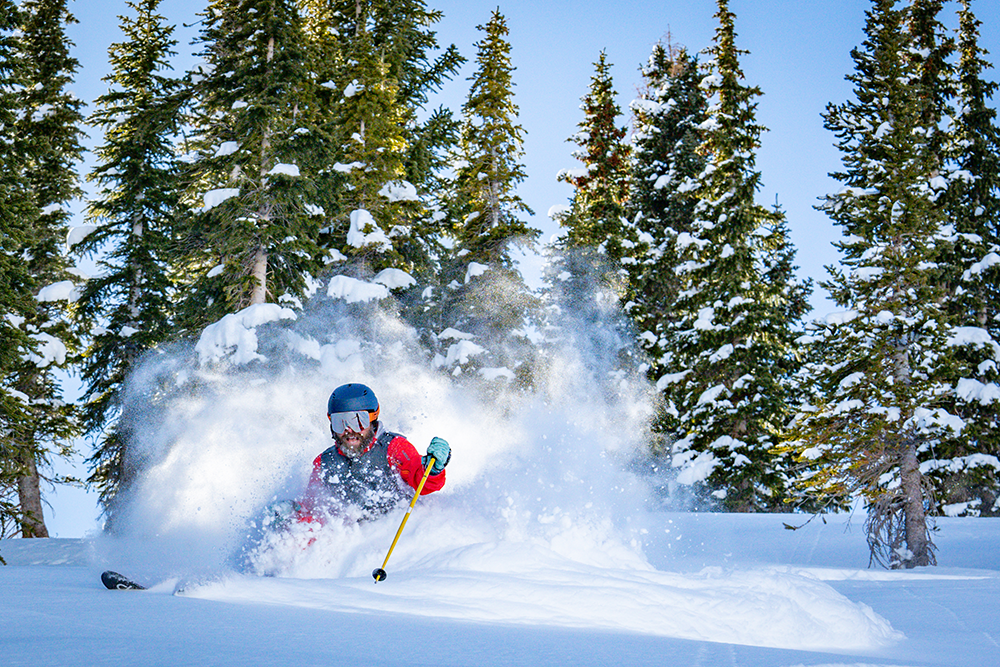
[[235, 335]]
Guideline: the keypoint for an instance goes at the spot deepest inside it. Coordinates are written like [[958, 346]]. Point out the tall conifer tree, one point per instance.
[[667, 162], [485, 296], [584, 276], [491, 148], [882, 386], [17, 213], [50, 127], [375, 61], [367, 128], [127, 307], [600, 187], [964, 469], [253, 231], [731, 342]]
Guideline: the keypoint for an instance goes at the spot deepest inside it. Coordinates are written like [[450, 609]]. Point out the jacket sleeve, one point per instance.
[[404, 458]]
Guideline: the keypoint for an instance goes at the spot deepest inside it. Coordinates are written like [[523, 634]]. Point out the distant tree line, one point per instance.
[[302, 147]]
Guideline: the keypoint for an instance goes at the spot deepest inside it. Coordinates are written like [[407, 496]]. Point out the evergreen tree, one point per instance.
[[251, 236], [600, 188], [366, 125], [491, 146], [730, 345], [374, 60], [879, 390], [667, 160], [484, 296], [17, 214], [964, 468], [584, 274], [127, 307], [401, 33], [50, 126]]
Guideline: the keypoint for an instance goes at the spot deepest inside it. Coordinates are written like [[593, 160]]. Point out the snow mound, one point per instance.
[[556, 568], [531, 583]]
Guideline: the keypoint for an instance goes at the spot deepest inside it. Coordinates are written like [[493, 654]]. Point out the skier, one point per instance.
[[368, 469]]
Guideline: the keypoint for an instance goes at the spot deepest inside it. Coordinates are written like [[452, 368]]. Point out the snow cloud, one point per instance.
[[242, 415]]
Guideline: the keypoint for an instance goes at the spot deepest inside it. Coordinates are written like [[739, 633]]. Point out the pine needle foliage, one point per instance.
[[49, 126], [250, 233], [126, 309], [729, 350]]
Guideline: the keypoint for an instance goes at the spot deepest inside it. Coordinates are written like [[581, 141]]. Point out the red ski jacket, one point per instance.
[[374, 482]]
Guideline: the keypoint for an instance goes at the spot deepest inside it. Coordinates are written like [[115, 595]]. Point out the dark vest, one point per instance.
[[367, 482]]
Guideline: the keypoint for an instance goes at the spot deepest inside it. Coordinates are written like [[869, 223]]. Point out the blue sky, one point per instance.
[[799, 55]]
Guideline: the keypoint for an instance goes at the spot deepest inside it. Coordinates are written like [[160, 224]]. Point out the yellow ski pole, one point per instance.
[[379, 572]]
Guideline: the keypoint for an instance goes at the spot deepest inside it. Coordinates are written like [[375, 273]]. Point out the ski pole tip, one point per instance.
[[378, 574]]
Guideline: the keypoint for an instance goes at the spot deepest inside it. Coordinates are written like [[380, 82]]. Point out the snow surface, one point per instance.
[[550, 544], [714, 590]]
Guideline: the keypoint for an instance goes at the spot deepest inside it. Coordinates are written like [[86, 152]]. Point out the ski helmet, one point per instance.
[[352, 397]]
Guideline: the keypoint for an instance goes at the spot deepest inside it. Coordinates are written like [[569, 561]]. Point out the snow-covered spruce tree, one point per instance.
[[50, 129], [17, 213], [401, 32], [729, 350], [879, 392], [965, 469], [666, 161], [584, 278], [600, 187], [251, 235], [374, 59], [368, 129], [127, 308], [484, 306]]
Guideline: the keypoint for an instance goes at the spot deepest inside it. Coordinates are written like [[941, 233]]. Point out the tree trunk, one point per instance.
[[135, 289], [30, 496], [918, 542], [259, 294]]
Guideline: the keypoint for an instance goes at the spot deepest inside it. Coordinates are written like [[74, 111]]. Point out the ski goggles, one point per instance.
[[357, 421]]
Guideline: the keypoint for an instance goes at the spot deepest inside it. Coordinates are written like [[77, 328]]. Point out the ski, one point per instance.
[[117, 582]]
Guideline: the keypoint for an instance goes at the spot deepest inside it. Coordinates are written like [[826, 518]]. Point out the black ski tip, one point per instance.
[[378, 574], [116, 582]]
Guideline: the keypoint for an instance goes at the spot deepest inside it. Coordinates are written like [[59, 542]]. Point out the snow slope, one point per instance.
[[550, 544], [715, 590]]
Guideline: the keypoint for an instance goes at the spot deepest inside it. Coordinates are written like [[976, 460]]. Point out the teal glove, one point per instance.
[[280, 514], [441, 451]]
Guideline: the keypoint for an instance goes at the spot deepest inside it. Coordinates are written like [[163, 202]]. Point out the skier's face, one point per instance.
[[353, 443]]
